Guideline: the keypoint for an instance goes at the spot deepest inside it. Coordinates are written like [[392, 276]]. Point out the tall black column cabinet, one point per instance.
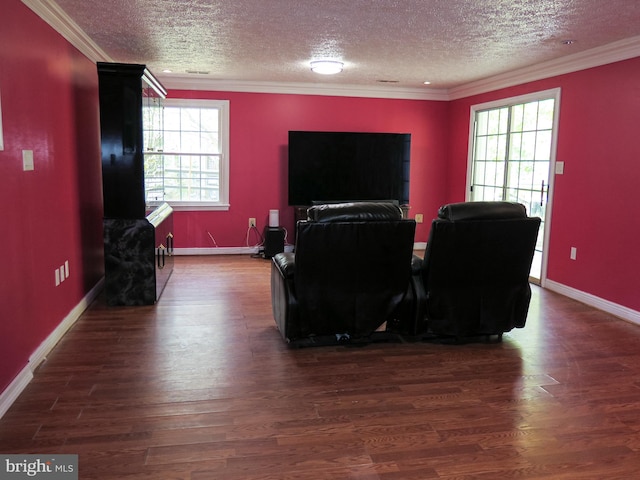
[[138, 242]]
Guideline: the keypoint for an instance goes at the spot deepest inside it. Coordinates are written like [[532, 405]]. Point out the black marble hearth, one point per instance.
[[138, 257]]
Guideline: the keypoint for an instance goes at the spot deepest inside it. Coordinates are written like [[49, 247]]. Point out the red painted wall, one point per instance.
[[48, 92], [596, 201], [258, 156]]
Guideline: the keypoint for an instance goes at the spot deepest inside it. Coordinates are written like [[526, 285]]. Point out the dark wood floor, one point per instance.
[[201, 386]]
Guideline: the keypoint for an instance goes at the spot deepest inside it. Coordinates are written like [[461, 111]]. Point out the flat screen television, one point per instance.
[[348, 166]]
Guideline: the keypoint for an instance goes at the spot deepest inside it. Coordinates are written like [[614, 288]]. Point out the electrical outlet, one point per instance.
[[419, 218], [252, 222]]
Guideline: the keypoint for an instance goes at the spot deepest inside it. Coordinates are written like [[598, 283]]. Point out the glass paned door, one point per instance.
[[512, 157]]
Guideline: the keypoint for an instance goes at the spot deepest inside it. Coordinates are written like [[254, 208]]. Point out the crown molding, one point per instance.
[[625, 49], [202, 82], [50, 12], [595, 57]]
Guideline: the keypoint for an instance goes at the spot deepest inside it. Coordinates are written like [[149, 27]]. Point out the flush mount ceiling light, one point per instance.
[[326, 67]]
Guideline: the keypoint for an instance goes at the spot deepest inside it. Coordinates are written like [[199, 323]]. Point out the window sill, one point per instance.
[[189, 207]]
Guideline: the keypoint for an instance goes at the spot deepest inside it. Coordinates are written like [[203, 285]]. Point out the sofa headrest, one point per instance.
[[458, 212], [354, 212]]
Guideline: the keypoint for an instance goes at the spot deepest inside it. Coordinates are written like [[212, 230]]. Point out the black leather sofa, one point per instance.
[[350, 273], [474, 277]]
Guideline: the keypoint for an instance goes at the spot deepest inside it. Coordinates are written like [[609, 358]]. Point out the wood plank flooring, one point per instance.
[[201, 386]]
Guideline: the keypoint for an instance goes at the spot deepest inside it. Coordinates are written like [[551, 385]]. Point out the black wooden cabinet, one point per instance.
[[137, 262], [121, 135]]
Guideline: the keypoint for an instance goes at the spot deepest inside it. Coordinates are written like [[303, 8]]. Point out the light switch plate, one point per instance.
[[27, 160], [559, 168]]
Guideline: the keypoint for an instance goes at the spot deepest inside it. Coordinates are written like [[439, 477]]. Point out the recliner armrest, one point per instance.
[[286, 262]]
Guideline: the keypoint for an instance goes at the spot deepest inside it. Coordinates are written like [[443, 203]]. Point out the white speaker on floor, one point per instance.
[[274, 218]]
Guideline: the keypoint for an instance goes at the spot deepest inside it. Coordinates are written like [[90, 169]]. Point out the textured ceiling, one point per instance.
[[447, 42]]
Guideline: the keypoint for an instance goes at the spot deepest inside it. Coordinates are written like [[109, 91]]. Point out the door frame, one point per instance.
[[553, 171]]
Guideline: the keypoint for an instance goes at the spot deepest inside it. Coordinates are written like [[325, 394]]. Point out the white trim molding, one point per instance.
[[40, 353], [15, 388], [204, 82], [615, 309], [595, 57], [50, 12], [217, 251], [247, 250]]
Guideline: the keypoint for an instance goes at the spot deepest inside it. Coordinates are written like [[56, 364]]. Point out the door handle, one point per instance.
[[160, 256], [170, 243]]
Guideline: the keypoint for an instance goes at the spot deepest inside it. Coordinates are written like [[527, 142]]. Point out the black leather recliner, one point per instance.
[[474, 278], [350, 273]]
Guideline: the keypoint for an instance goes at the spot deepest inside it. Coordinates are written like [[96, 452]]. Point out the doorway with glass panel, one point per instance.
[[512, 155]]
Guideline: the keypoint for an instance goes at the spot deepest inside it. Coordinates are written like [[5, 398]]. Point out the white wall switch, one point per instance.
[[574, 253], [27, 160], [559, 168]]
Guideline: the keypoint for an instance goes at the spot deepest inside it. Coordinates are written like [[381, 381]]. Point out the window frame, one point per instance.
[[223, 179]]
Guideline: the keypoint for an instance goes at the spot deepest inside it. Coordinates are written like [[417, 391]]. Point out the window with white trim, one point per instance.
[[186, 158]]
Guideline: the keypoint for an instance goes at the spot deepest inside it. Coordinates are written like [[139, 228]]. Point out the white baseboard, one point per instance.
[[15, 388], [246, 250], [619, 311], [216, 251]]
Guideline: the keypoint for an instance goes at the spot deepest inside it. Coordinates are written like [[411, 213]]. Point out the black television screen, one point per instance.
[[348, 166]]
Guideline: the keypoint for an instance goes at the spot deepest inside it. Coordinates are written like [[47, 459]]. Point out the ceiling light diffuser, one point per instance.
[[326, 67]]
